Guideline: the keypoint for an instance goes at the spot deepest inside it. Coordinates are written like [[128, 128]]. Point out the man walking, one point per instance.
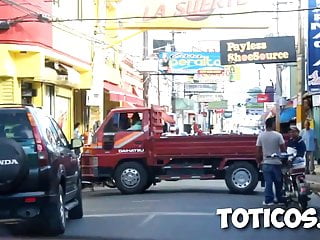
[[268, 143], [310, 140]]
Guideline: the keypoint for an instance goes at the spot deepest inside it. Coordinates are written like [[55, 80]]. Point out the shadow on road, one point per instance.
[[105, 192]]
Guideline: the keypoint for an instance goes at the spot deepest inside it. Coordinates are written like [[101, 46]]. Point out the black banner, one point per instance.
[[258, 50]]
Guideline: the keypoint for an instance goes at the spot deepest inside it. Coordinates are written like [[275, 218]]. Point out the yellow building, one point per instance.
[[45, 78]]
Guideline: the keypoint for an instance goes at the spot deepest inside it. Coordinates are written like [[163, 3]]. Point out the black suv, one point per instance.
[[39, 171]]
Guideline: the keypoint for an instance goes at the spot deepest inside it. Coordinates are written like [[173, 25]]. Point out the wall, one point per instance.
[[24, 32], [74, 37]]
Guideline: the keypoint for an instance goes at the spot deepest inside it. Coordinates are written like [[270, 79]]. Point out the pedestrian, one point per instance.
[[309, 138], [296, 142], [268, 143], [77, 135], [195, 127], [76, 131]]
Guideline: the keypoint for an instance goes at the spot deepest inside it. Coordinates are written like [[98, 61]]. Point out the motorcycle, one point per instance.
[[295, 188]]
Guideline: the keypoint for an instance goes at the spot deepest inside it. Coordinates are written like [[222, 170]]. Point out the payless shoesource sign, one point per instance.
[[258, 50]]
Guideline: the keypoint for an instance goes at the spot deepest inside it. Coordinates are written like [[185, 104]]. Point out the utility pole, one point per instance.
[[300, 68], [146, 76], [173, 93]]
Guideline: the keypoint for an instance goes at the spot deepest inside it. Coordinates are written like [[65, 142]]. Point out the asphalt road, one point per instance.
[[171, 211]]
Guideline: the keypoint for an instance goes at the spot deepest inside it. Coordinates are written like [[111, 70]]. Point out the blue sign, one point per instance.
[[313, 77], [190, 62]]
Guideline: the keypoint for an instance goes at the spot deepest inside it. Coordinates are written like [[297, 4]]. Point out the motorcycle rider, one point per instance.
[[297, 143]]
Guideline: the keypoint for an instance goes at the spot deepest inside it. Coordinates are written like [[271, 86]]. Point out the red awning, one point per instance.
[[118, 94], [167, 118]]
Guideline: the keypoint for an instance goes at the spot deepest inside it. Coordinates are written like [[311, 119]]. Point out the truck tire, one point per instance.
[[55, 215], [131, 177], [77, 212], [241, 177], [13, 165]]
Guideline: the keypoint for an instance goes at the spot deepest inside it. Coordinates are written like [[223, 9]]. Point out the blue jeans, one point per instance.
[[272, 175]]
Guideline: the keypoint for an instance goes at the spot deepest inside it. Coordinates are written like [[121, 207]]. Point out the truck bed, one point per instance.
[[224, 147]]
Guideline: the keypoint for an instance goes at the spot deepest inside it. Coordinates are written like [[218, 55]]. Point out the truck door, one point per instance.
[[124, 132]]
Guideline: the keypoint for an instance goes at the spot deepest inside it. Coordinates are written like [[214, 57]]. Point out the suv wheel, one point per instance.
[[77, 212], [56, 215], [131, 177]]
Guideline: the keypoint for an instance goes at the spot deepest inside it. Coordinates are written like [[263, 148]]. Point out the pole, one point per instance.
[[173, 93], [300, 69], [278, 81]]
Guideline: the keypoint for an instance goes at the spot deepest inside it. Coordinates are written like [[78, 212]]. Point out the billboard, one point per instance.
[[184, 104], [190, 62], [200, 87], [313, 47], [223, 104], [191, 14], [258, 50]]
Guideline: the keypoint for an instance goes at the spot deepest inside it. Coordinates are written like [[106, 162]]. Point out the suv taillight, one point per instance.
[[40, 146]]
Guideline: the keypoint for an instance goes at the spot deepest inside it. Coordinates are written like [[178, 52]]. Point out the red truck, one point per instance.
[[129, 149]]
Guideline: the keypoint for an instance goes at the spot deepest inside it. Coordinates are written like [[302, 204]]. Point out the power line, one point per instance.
[[64, 28], [187, 15]]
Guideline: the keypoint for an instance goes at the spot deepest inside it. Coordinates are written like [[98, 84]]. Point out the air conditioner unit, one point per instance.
[[94, 98]]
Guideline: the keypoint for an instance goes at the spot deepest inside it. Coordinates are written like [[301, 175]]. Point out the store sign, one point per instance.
[[190, 14], [200, 87], [258, 50], [218, 105], [185, 104], [314, 47], [264, 97], [209, 98], [255, 106], [230, 73], [191, 62]]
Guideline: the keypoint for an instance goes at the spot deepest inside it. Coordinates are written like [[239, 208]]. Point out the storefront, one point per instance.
[[44, 78]]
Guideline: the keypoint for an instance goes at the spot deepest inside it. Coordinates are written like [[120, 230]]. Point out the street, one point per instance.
[[171, 210]]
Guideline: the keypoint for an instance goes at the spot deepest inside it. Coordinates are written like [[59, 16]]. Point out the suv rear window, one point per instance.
[[14, 124]]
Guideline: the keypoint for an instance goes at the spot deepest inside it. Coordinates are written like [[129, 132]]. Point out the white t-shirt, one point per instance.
[[270, 142]]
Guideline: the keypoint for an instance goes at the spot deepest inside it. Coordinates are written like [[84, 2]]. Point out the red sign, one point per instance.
[[204, 114], [264, 97], [219, 110]]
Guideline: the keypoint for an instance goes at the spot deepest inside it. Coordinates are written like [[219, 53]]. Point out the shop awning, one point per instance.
[[167, 118], [287, 115], [118, 94], [128, 105]]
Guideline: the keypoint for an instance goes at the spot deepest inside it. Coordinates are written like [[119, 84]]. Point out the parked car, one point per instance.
[[40, 178]]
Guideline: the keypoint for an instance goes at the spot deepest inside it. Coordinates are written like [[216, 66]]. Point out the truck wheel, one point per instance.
[[77, 212], [131, 177], [241, 178]]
